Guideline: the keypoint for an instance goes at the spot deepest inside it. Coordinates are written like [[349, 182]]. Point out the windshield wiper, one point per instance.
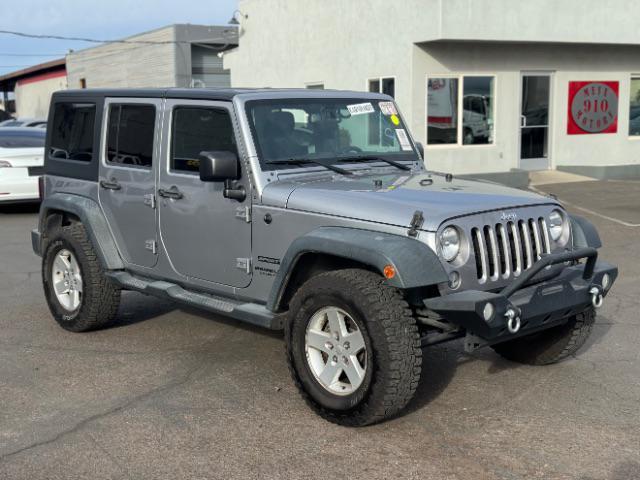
[[302, 161], [368, 158]]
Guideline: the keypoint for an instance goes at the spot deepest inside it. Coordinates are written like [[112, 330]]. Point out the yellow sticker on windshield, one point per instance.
[[395, 120]]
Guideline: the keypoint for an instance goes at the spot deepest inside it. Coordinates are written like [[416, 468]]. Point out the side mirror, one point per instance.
[[219, 166], [420, 148]]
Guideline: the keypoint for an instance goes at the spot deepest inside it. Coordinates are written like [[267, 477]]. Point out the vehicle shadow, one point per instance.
[[440, 362], [19, 208], [626, 470], [439, 365], [136, 308]]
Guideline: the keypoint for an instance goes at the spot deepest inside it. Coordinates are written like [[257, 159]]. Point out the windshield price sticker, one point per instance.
[[360, 108], [388, 108], [405, 144]]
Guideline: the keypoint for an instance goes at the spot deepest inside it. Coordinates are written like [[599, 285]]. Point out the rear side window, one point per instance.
[[199, 129], [130, 134], [72, 131], [10, 139]]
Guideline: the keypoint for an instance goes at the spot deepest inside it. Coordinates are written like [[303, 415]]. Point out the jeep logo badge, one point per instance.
[[508, 216]]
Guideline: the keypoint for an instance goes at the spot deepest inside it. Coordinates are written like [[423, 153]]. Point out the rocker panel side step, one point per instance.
[[252, 313]]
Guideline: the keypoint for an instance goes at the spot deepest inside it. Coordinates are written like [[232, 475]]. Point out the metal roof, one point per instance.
[[10, 79]]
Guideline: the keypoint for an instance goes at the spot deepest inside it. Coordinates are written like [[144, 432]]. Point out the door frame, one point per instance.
[[103, 165], [550, 113], [164, 172]]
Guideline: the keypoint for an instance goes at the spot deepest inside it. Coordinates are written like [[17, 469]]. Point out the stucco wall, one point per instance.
[[33, 97], [337, 43], [572, 21]]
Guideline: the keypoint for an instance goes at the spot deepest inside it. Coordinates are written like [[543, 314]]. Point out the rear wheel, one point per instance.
[[78, 293], [353, 347], [552, 345]]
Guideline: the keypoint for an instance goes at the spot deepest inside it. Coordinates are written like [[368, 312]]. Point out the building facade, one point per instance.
[[32, 88], [486, 85], [172, 56]]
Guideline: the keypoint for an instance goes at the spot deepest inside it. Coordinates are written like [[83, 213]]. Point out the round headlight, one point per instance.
[[556, 225], [450, 243]]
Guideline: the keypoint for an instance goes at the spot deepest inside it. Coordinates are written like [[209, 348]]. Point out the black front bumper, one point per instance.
[[539, 305]]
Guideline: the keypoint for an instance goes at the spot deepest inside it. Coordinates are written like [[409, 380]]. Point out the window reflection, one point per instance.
[[634, 108], [477, 110], [442, 110]]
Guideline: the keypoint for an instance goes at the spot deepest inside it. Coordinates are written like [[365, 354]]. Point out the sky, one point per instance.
[[106, 19]]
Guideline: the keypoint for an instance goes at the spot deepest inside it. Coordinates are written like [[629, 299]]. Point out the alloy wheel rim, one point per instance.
[[335, 350], [67, 280]]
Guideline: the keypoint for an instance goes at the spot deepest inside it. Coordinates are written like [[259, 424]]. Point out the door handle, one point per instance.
[[523, 121], [112, 185], [173, 193]]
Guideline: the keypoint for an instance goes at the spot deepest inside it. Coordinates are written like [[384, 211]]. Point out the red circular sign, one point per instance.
[[593, 107]]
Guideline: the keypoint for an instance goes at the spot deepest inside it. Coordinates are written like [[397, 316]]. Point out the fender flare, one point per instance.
[[91, 216], [584, 233], [415, 263]]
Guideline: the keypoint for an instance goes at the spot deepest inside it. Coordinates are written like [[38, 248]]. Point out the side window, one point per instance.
[[72, 131], [199, 129], [130, 134]]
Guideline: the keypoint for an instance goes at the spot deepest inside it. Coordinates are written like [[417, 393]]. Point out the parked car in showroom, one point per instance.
[[312, 212], [21, 163]]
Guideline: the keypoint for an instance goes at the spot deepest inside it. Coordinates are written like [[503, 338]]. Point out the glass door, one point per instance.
[[534, 121]]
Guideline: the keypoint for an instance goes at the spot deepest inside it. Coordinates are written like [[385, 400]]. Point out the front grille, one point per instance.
[[507, 249]]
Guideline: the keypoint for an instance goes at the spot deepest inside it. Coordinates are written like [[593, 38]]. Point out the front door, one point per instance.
[[534, 121], [131, 139], [206, 235]]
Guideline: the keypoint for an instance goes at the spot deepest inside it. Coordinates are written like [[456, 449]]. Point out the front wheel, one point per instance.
[[552, 345], [353, 347]]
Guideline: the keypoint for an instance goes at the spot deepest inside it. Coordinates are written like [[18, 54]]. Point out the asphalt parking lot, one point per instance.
[[175, 393]]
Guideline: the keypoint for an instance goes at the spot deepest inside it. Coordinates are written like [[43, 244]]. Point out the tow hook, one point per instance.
[[513, 320], [596, 296]]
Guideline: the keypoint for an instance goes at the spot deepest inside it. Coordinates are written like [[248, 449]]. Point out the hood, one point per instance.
[[393, 198]]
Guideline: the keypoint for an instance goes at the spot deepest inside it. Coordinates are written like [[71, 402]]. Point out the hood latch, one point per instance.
[[416, 223]]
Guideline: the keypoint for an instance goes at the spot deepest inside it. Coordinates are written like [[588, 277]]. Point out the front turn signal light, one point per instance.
[[389, 272]]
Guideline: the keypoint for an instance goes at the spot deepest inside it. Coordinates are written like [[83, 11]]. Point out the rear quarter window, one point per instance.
[[72, 131]]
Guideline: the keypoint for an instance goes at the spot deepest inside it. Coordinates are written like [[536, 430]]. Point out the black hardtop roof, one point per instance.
[[206, 93]]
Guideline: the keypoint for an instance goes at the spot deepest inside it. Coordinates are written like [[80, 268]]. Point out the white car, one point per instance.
[[21, 163], [24, 122]]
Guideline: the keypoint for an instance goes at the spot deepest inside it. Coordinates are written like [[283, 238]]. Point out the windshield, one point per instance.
[[21, 139], [328, 129]]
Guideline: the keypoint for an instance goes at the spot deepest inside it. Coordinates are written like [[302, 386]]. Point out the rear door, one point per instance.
[[206, 235], [130, 140]]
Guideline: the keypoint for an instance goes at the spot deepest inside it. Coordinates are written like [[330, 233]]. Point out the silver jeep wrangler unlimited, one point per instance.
[[311, 212]]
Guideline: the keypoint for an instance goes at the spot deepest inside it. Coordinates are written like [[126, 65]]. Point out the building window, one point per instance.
[[386, 85], [199, 129], [447, 103], [83, 83], [72, 131], [130, 135], [634, 108], [315, 86]]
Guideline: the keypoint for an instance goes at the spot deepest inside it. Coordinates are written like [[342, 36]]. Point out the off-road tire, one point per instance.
[[391, 338], [100, 297], [550, 346]]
